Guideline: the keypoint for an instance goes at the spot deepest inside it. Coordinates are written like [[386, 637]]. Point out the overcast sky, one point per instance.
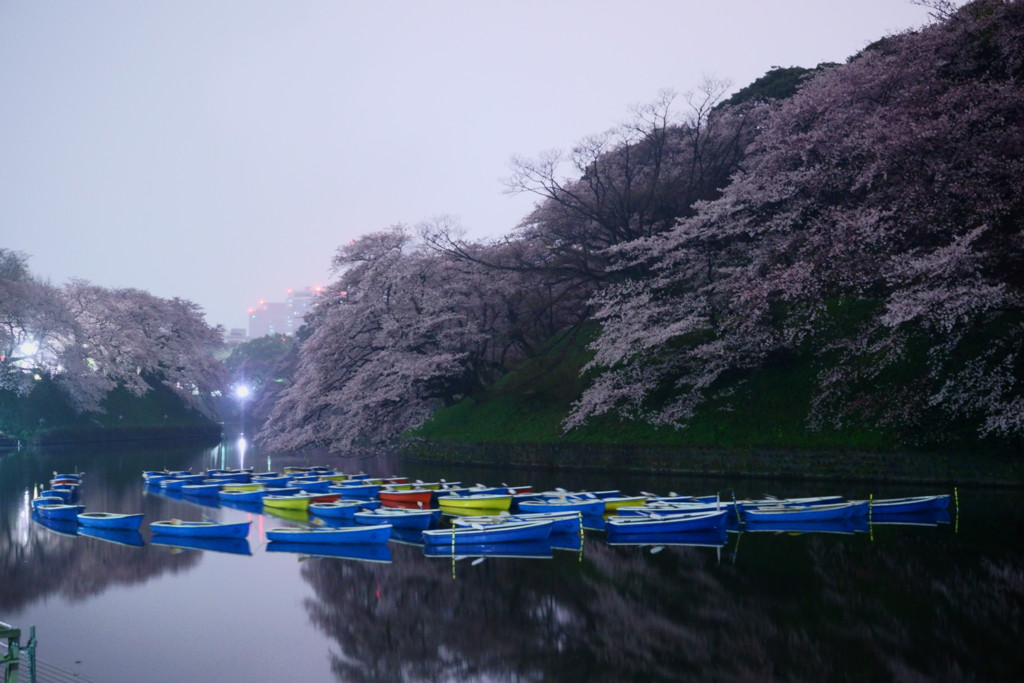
[[221, 150]]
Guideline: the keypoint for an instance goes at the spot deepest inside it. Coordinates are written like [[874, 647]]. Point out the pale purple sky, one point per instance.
[[220, 151]]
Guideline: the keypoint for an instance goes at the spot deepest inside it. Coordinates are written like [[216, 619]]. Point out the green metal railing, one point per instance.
[[10, 663]]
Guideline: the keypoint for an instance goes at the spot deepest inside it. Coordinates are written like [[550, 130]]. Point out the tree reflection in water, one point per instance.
[[792, 608]]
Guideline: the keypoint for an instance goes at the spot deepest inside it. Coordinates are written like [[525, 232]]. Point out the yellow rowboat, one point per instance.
[[481, 501], [398, 487], [254, 486], [296, 501], [334, 477], [611, 504]]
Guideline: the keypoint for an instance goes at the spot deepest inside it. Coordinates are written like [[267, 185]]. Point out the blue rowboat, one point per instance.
[[175, 483], [230, 477], [921, 518], [355, 489], [533, 550], [363, 552], [241, 496], [47, 500], [888, 506], [661, 524], [129, 537], [508, 532], [111, 520], [311, 486], [658, 508], [66, 495], [63, 512], [230, 546], [811, 501], [399, 517], [562, 522], [271, 481], [349, 534], [586, 506], [205, 489], [178, 528], [808, 513], [338, 509]]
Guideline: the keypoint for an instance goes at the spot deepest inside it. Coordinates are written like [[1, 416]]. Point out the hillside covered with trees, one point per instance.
[[856, 225], [79, 358]]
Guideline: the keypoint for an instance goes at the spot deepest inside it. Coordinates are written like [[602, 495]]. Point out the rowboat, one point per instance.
[[562, 522], [311, 486], [379, 533], [205, 489], [411, 497], [60, 511], [586, 506], [242, 496], [885, 506], [271, 481], [692, 521], [921, 518], [811, 501], [509, 532], [613, 503], [298, 501], [65, 495], [110, 520], [47, 500], [479, 501], [175, 483], [341, 509], [362, 552], [661, 508], [806, 513], [178, 527], [399, 517], [355, 489]]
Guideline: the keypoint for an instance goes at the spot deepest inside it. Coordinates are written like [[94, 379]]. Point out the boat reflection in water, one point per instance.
[[232, 546], [363, 552], [128, 537], [714, 538], [533, 550]]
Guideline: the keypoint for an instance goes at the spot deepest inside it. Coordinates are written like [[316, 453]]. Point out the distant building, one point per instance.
[[282, 317], [235, 335]]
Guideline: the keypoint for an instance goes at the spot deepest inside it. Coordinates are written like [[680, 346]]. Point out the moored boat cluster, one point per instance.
[[342, 514]]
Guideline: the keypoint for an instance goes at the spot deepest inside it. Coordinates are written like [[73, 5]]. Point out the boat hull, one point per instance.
[[179, 529], [346, 535], [110, 520], [700, 521], [512, 532]]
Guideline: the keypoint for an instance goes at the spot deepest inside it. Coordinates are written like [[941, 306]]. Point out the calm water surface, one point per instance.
[[938, 602]]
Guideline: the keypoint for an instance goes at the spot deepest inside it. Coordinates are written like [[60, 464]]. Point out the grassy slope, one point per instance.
[[529, 404]]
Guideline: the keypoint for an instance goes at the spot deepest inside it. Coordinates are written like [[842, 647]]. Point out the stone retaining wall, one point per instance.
[[940, 468]]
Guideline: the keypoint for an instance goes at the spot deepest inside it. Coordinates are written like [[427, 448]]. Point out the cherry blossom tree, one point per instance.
[[131, 338], [405, 331], [89, 340], [875, 225]]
